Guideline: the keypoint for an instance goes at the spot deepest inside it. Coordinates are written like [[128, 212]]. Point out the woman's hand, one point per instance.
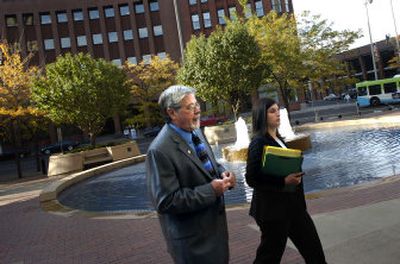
[[294, 178]]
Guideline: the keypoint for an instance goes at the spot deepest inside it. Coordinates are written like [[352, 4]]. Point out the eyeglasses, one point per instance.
[[192, 107]]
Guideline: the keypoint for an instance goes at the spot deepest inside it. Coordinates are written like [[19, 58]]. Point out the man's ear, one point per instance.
[[171, 113]]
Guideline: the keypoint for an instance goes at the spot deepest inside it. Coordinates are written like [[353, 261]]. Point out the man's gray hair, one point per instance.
[[172, 97]]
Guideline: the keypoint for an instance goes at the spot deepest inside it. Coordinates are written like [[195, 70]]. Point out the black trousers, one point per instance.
[[300, 229]]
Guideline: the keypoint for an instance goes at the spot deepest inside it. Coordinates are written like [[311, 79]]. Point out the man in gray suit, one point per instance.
[[186, 184]]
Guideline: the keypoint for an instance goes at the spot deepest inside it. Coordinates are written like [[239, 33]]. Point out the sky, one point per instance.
[[351, 14]]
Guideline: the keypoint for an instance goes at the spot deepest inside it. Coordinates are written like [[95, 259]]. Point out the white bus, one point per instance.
[[374, 93]]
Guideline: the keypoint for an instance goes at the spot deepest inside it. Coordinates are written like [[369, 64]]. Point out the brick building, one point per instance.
[[116, 30]]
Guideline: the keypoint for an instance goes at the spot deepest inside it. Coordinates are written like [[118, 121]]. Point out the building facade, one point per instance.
[[360, 64], [117, 30]]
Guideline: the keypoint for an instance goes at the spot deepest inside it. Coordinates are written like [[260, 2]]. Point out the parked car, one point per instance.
[[331, 97], [151, 131], [212, 120], [66, 145]]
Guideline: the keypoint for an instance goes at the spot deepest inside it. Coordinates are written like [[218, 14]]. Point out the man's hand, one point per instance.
[[231, 176], [227, 182]]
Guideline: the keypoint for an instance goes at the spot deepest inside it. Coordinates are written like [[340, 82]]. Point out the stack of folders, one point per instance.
[[280, 162]]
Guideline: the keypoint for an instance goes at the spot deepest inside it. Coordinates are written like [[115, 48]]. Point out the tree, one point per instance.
[[148, 81], [320, 44], [296, 52], [82, 91], [19, 119], [225, 67]]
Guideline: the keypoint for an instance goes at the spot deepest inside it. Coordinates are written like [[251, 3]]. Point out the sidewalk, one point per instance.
[[359, 224]]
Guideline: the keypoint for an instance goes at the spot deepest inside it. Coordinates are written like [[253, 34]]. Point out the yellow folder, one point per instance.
[[280, 162]]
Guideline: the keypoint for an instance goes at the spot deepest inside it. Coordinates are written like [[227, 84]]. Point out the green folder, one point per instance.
[[280, 162]]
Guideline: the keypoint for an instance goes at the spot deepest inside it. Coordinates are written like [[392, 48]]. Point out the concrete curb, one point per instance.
[[51, 192]]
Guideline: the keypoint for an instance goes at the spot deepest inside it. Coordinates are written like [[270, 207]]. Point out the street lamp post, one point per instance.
[[395, 30], [370, 40], [179, 29]]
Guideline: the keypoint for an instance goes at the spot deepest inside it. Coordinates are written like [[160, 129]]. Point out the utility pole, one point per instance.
[[370, 40]]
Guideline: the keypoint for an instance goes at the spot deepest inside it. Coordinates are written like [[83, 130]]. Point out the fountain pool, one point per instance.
[[349, 156]]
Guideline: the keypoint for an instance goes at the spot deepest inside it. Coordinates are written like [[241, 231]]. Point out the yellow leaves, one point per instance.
[[15, 79]]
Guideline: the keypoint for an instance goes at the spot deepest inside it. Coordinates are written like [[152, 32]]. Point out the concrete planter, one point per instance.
[[124, 151], [65, 163]]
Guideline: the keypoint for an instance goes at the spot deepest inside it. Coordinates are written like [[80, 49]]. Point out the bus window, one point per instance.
[[389, 87], [374, 89], [362, 91]]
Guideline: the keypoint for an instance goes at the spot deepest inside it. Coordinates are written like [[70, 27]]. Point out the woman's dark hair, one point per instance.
[[259, 113]]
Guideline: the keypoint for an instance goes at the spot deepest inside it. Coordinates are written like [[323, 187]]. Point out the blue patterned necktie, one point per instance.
[[203, 155]]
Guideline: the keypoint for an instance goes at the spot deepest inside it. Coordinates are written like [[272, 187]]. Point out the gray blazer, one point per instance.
[[192, 218]]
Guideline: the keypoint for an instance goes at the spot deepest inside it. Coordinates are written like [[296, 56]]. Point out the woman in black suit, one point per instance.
[[278, 213]]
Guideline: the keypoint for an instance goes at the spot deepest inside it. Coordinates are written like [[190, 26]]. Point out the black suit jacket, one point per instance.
[[269, 201], [192, 218]]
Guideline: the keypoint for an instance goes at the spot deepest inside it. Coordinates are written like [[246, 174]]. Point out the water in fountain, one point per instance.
[[285, 129], [297, 141], [242, 134]]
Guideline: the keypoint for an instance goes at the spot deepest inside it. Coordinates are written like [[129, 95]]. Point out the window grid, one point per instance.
[[112, 37], [158, 31], [128, 34], [143, 33], [94, 13], [65, 42], [207, 20], [81, 41], [62, 17], [77, 15], [48, 44], [196, 22], [45, 19], [97, 39], [109, 11], [221, 16]]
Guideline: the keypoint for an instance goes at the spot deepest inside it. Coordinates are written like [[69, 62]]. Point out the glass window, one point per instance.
[[146, 58], [11, 20], [65, 42], [389, 87], [276, 5], [207, 20], [132, 60], [128, 34], [112, 37], [248, 11], [154, 6], [158, 30], [28, 19], [259, 8], [124, 10], [139, 8], [361, 91], [287, 7], [162, 55], [203, 1], [78, 15], [94, 13], [195, 22], [143, 33], [48, 44], [232, 12], [97, 39], [374, 89], [221, 16], [109, 11], [192, 2], [32, 45], [62, 17], [45, 18], [81, 41], [116, 62]]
